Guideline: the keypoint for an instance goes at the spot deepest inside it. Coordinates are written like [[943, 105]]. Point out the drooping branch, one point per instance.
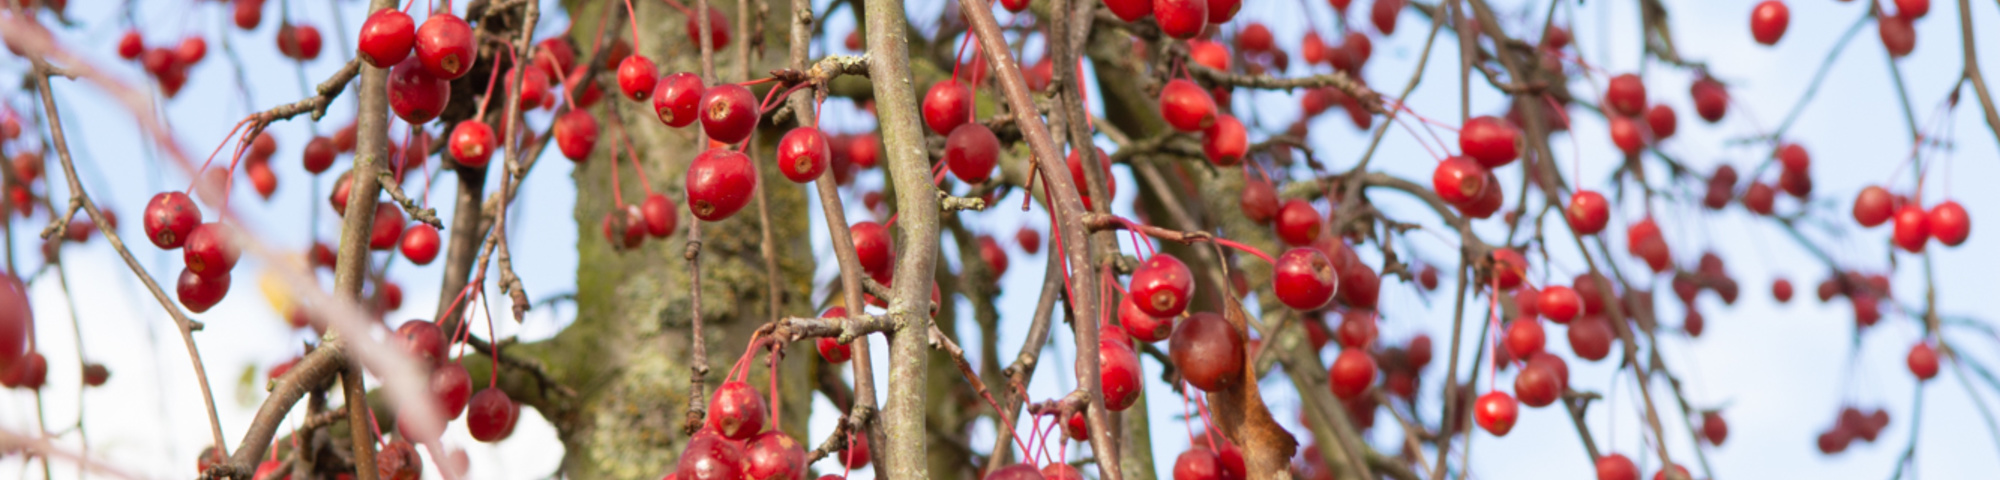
[[80, 198]]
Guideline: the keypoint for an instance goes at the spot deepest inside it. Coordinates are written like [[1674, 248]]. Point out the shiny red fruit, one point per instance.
[[386, 38], [677, 99], [1524, 337], [1509, 267], [1923, 361], [719, 183], [637, 77], [1140, 325], [1198, 464], [576, 134], [1182, 19], [1768, 21], [414, 94], [1459, 180], [803, 154], [131, 45], [200, 292], [728, 113], [1588, 212], [1130, 10], [1118, 374], [971, 152], [1872, 206], [1225, 142], [1616, 467], [471, 143], [1912, 228], [1163, 285], [1357, 330], [1781, 290], [1626, 136], [170, 217], [1490, 140], [947, 105], [1495, 412], [1760, 198], [774, 456], [420, 243], [875, 249], [1298, 222], [1949, 223], [1185, 105], [1304, 279], [1208, 350], [1209, 54], [210, 251], [445, 45], [1352, 373], [737, 411], [1626, 95], [388, 226]]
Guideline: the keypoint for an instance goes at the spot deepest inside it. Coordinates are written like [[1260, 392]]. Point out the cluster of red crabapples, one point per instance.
[[741, 438]]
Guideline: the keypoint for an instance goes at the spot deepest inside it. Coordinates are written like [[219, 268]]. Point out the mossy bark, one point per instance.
[[628, 351]]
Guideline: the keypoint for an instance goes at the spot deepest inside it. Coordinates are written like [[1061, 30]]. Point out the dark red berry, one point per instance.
[[1140, 325], [1208, 350], [737, 411], [1899, 35], [198, 292], [170, 218], [490, 415], [1626, 95], [415, 94], [300, 42], [718, 40]]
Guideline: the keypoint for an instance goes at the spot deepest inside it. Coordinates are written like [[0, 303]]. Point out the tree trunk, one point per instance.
[[627, 353]]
